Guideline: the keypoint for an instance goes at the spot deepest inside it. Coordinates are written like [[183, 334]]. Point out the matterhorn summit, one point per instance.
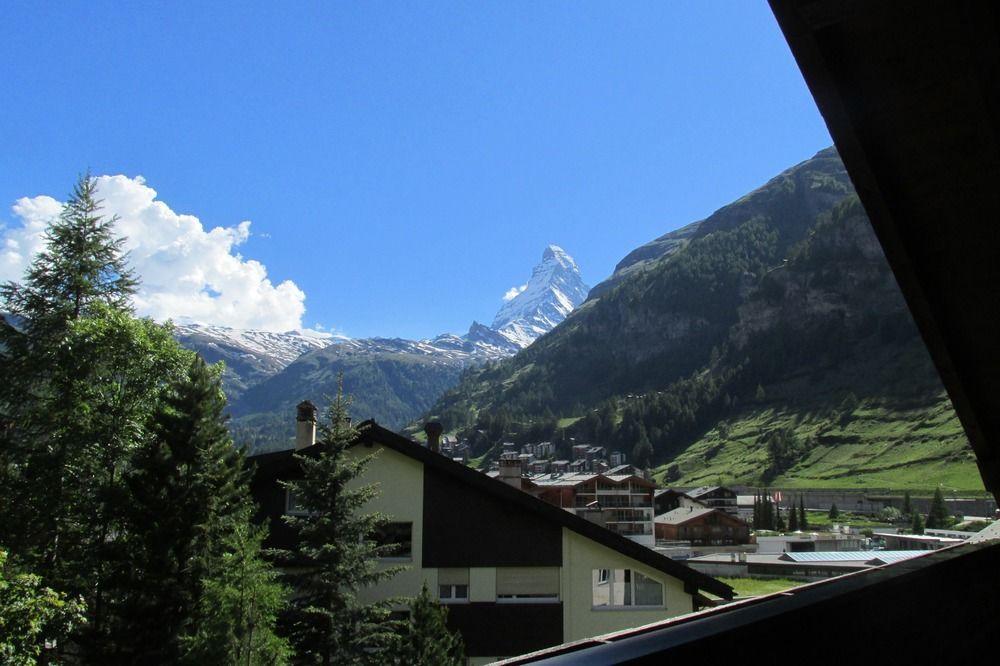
[[555, 288]]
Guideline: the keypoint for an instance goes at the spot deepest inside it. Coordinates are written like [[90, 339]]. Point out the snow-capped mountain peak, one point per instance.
[[555, 288]]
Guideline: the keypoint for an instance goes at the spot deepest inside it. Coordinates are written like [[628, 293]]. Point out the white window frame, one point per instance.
[[453, 591], [609, 581]]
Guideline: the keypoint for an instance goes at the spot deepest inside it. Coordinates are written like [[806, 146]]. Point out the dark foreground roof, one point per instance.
[[370, 433]]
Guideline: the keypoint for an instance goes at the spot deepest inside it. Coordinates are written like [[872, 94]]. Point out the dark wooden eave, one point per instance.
[[910, 92]]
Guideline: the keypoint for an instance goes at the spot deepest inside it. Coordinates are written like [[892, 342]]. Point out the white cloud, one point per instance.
[[513, 292], [188, 273]]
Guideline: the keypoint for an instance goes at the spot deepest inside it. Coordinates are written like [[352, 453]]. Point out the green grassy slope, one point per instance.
[[901, 432]]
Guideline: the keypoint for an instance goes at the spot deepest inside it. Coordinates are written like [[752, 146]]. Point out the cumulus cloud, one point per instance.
[[188, 273], [513, 292]]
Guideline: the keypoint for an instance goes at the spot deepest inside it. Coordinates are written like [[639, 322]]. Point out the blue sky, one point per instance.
[[404, 164]]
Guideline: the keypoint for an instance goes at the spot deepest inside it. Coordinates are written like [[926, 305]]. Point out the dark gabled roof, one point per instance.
[[705, 490], [370, 433], [686, 514]]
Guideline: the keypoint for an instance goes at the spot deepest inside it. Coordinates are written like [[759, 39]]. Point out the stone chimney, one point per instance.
[[305, 425], [510, 470], [433, 429]]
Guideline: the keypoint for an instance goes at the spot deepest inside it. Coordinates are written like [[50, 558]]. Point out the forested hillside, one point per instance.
[[769, 343]]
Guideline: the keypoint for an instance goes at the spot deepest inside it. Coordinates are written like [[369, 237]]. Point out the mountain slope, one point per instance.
[[743, 349], [661, 321], [250, 356]]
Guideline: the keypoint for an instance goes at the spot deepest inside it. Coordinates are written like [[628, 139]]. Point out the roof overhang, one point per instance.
[[911, 95]]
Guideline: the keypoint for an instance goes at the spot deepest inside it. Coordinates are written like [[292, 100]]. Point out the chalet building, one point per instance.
[[668, 499], [715, 497], [622, 503], [518, 574], [702, 527]]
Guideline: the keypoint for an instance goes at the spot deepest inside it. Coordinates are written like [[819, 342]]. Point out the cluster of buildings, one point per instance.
[[557, 556], [539, 458]]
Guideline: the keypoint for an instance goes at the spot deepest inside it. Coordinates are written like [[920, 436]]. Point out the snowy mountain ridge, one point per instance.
[[282, 348], [399, 377]]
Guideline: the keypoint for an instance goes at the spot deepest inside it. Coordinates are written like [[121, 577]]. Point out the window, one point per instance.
[[625, 588], [528, 584], [292, 506], [453, 586], [398, 536]]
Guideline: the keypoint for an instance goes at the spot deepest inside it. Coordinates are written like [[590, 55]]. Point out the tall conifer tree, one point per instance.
[[336, 553], [81, 377], [937, 517], [188, 495]]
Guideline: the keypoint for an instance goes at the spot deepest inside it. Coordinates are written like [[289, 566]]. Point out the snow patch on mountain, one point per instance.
[[283, 348]]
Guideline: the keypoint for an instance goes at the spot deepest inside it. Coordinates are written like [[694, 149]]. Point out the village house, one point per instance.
[[715, 497], [518, 574], [702, 527]]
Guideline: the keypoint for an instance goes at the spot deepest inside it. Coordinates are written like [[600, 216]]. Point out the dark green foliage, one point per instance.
[[425, 639], [765, 516], [803, 521], [907, 506], [82, 265], [784, 449], [238, 609], [188, 497], [937, 517], [834, 513], [336, 555], [917, 526], [121, 484], [793, 518], [81, 377], [642, 452], [32, 616]]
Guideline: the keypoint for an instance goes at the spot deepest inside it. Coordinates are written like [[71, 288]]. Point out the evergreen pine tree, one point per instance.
[[81, 377], [793, 518], [834, 512], [907, 506], [756, 511], [238, 608], [83, 264], [779, 521], [642, 452], [336, 554], [917, 526], [768, 518], [189, 497], [937, 517], [803, 521], [425, 639]]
